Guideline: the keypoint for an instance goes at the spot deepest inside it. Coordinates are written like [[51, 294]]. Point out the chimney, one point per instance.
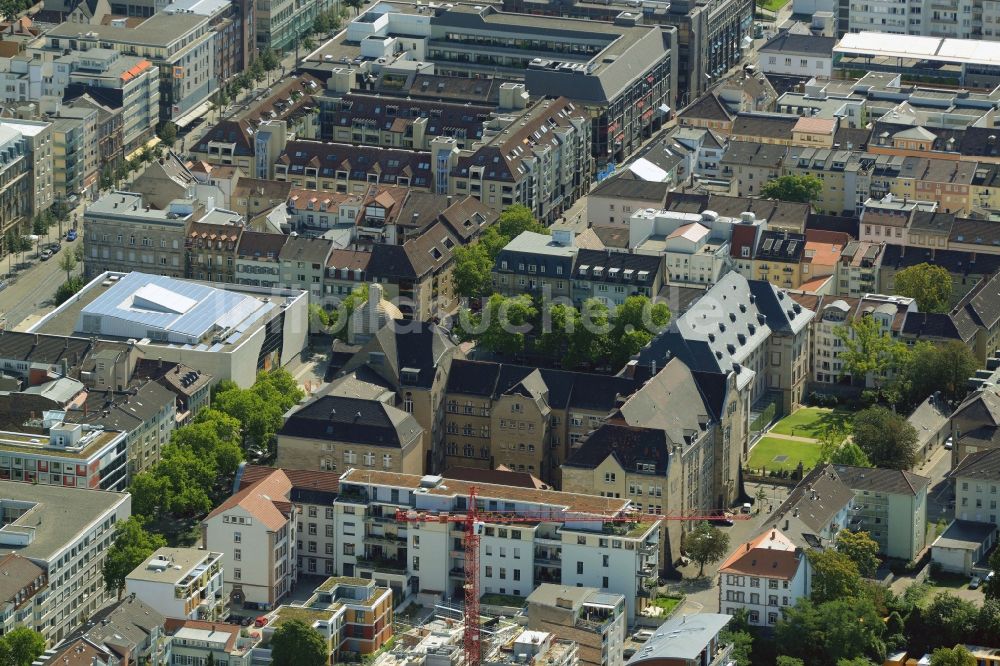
[[774, 535]]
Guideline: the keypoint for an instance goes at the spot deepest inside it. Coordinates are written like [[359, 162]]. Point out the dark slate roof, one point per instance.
[[978, 232], [37, 348], [260, 245], [893, 481], [930, 325], [612, 236], [849, 225], [352, 420], [984, 465], [309, 250], [358, 161], [623, 188], [783, 213], [398, 115], [937, 222], [786, 42], [773, 126], [757, 154], [566, 388], [706, 107], [417, 257], [623, 261], [983, 302], [628, 445], [415, 345], [956, 261], [852, 138], [781, 246]]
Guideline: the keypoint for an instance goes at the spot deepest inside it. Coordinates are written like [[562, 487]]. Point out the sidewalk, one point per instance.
[[790, 438]]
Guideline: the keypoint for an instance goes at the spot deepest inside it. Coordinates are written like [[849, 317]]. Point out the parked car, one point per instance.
[[948, 443], [55, 247], [71, 235], [260, 621], [975, 582], [46, 254]]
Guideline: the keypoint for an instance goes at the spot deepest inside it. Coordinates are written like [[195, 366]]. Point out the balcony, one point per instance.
[[383, 565], [544, 558]]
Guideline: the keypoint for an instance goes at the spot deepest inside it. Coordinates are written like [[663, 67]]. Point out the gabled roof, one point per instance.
[[707, 107], [354, 420], [786, 42], [260, 500], [890, 481], [630, 446], [812, 506], [982, 465], [770, 555]]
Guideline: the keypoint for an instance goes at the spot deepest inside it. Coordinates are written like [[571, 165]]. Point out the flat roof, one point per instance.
[[26, 127], [958, 51], [160, 30], [172, 565], [58, 516], [681, 638], [532, 243]]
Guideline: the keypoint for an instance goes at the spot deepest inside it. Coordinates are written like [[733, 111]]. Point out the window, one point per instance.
[[237, 537], [579, 568], [237, 554], [237, 574], [609, 477], [348, 549]]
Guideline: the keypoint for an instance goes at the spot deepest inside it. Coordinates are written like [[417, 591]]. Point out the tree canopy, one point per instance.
[[835, 575], [131, 546], [473, 272], [930, 285], [870, 353], [860, 549], [944, 367], [886, 438], [295, 643], [801, 189], [21, 646], [823, 634], [706, 543]]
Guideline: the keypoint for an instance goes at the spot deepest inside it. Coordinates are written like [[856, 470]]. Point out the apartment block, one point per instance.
[[593, 619], [536, 264], [622, 73], [37, 137], [891, 506], [427, 555], [188, 641], [976, 481], [762, 576], [77, 528], [181, 45], [611, 277], [334, 430], [16, 195], [180, 583], [124, 234], [210, 247], [528, 419], [25, 584]]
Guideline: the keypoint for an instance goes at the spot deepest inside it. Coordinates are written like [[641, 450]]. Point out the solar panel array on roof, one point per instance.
[[168, 310]]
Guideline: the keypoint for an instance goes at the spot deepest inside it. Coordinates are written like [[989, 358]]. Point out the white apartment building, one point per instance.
[[957, 19], [977, 487], [66, 532], [424, 555], [180, 582], [592, 619], [762, 576]]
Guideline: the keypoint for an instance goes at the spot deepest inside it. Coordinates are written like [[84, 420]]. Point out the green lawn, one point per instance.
[[767, 448], [813, 422], [772, 5], [668, 604]]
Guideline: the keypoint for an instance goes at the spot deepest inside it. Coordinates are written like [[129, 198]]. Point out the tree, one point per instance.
[[560, 322], [801, 189], [886, 438], [823, 634], [949, 619], [895, 631], [785, 660], [742, 643], [502, 325], [210, 659], [869, 352], [835, 576], [168, 133], [269, 60], [944, 367], [988, 622], [9, 9], [22, 646], [295, 643], [150, 494], [517, 219], [705, 544], [636, 320], [473, 272], [132, 545], [38, 226], [355, 5], [991, 587], [856, 661], [67, 289], [861, 550], [956, 656], [760, 497], [107, 178], [851, 454], [930, 285], [67, 263]]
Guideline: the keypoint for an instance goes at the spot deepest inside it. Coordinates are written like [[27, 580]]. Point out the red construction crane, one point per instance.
[[473, 517]]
